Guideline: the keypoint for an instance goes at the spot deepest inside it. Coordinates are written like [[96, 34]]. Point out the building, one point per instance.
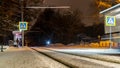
[[115, 30]]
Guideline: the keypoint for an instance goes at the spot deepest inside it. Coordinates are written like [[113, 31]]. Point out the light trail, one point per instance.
[[90, 51]]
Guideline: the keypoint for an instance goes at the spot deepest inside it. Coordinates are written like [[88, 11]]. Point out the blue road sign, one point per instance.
[[110, 21], [23, 25]]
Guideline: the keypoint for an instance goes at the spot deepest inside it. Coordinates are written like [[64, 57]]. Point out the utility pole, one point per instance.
[[22, 20]]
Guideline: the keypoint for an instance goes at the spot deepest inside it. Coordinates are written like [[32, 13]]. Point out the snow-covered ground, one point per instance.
[[26, 58], [99, 54], [77, 61]]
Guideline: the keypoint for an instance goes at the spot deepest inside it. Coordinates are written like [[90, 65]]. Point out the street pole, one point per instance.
[[110, 37], [22, 20]]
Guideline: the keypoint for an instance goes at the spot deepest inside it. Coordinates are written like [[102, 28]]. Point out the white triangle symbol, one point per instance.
[[22, 25], [110, 21]]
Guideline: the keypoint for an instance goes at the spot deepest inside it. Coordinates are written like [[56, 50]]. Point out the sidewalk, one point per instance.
[[25, 58]]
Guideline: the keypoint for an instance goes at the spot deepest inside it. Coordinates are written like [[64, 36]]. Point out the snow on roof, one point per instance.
[[109, 9]]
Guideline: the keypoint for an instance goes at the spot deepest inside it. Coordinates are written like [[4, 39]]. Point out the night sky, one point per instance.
[[83, 5]]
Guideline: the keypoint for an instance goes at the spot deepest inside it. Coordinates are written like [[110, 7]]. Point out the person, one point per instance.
[[20, 42], [17, 41]]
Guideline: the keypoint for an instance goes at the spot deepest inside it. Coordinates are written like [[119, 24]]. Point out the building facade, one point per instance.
[[112, 31]]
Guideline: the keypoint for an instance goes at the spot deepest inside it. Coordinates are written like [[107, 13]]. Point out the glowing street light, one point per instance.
[[48, 42]]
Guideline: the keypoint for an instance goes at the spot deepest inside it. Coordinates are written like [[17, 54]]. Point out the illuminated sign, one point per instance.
[[23, 25], [110, 21]]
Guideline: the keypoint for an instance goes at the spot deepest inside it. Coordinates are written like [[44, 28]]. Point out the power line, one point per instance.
[[58, 7]]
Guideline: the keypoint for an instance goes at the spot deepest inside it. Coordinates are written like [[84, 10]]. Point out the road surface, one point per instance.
[[41, 58]]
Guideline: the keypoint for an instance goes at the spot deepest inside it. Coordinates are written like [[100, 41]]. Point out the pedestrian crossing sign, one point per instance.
[[110, 20], [23, 25]]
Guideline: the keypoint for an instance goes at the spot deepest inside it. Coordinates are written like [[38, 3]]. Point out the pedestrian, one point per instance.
[[20, 42], [17, 41]]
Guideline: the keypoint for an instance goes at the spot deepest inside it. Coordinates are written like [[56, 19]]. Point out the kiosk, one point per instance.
[[17, 38]]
